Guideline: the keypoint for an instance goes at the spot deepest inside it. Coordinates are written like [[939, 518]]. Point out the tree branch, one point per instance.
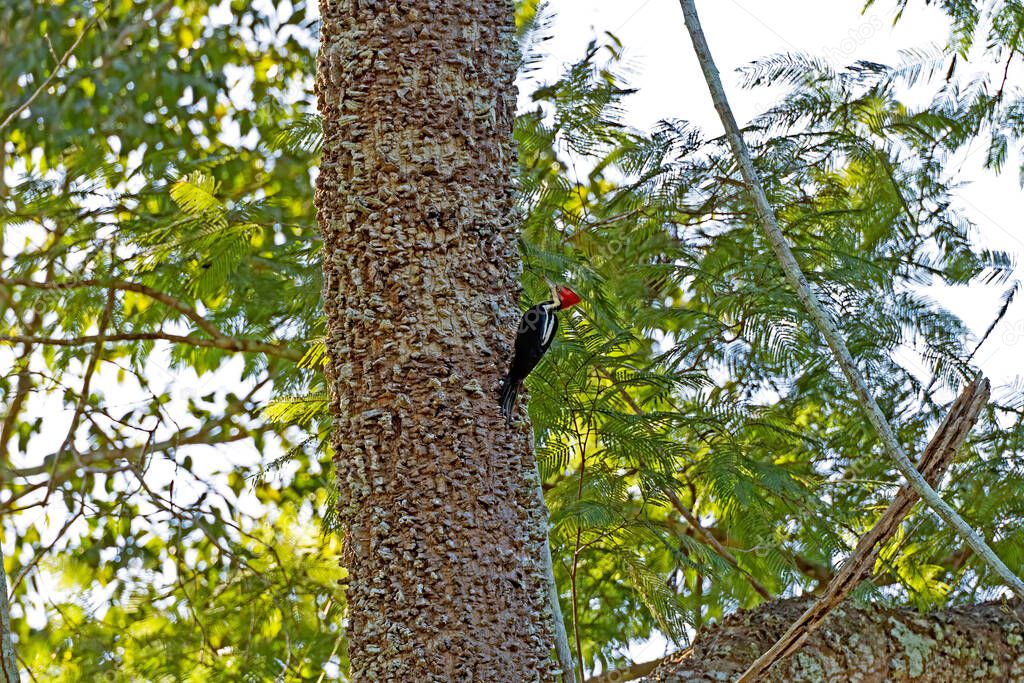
[[934, 461], [562, 650], [21, 393], [220, 340], [720, 549], [45, 84], [226, 343], [871, 643], [202, 436], [635, 671], [821, 318], [124, 286], [83, 397]]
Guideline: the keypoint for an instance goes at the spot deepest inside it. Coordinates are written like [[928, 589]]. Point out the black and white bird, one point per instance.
[[536, 331]]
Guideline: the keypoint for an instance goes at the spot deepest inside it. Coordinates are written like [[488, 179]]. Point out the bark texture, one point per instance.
[[8, 660], [868, 645], [414, 198]]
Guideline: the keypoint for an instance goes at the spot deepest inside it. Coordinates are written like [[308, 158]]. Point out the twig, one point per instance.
[[124, 286], [821, 318], [37, 558], [934, 462], [10, 420], [1008, 298], [722, 551], [203, 436], [49, 46], [83, 398], [220, 340], [1006, 73], [53, 74]]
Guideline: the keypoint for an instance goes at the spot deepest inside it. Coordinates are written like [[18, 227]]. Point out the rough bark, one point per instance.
[[865, 645], [8, 660], [444, 529]]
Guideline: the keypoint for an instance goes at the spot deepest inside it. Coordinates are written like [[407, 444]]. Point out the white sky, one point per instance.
[[667, 75]]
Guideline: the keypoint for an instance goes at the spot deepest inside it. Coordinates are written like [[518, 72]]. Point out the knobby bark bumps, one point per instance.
[[444, 528], [864, 645]]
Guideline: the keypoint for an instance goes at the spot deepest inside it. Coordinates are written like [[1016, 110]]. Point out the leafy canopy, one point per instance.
[[698, 450]]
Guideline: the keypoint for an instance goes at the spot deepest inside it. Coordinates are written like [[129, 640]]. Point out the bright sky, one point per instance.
[[667, 73], [665, 70]]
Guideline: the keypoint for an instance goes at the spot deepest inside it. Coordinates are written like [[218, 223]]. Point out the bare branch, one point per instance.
[[83, 397], [821, 318], [207, 435], [45, 84], [635, 671], [934, 461]]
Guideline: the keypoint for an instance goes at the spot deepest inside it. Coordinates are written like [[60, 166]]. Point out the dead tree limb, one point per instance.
[[635, 671], [933, 464], [870, 644]]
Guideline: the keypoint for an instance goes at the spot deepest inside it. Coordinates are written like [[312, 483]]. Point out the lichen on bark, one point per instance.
[[864, 645], [414, 199]]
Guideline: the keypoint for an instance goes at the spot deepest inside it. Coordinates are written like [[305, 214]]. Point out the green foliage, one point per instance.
[[150, 196], [977, 90], [695, 442], [278, 617], [690, 377]]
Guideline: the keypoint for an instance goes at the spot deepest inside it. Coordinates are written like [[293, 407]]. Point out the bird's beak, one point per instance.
[[553, 287]]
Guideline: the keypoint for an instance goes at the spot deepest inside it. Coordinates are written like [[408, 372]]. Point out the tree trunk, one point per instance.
[[868, 645], [8, 660], [444, 529]]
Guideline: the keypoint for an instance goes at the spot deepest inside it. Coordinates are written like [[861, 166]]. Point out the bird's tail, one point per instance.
[[509, 390]]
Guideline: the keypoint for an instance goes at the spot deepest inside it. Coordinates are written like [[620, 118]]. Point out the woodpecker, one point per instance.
[[536, 330]]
